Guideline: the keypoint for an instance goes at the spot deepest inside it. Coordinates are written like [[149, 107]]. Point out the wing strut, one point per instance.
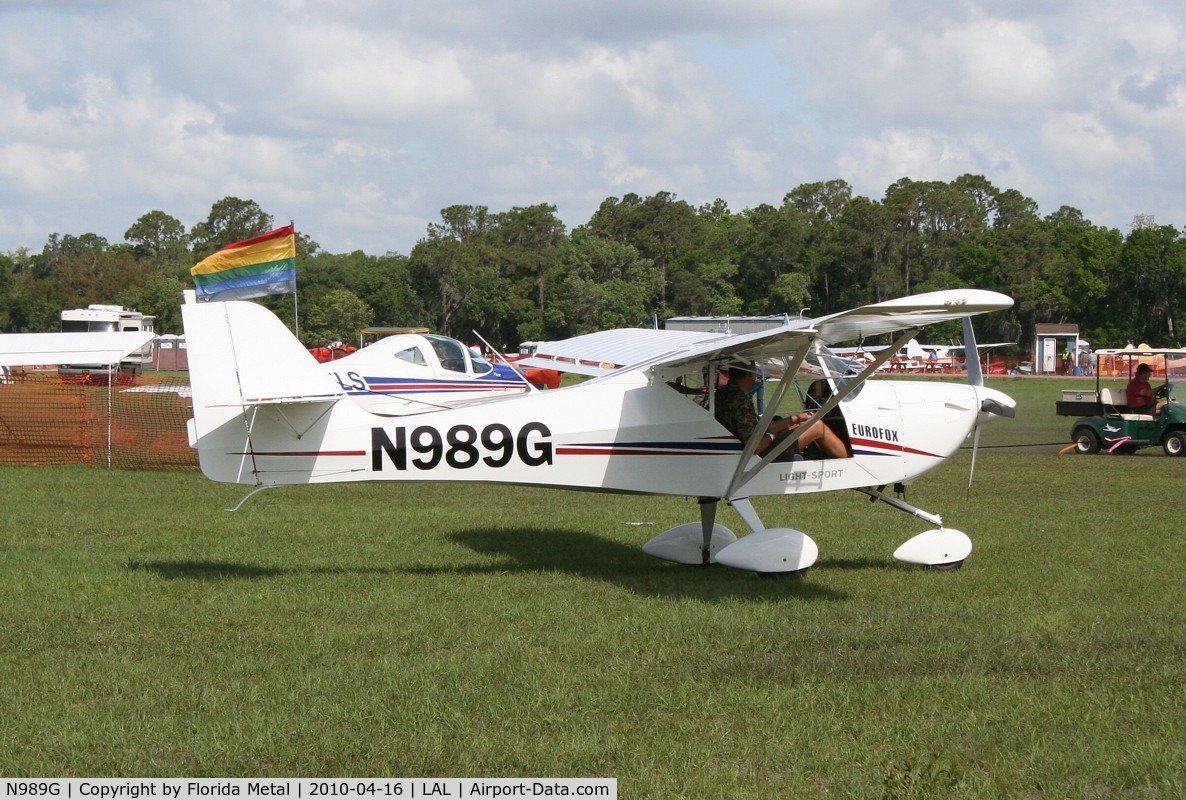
[[497, 352], [976, 378], [741, 476]]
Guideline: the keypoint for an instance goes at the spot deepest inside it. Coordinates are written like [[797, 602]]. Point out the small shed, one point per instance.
[[1052, 341]]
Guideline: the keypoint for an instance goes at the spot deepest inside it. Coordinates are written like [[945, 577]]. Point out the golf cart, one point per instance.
[[1112, 426]]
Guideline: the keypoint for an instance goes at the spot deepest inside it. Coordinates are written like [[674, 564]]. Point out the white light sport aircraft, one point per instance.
[[266, 414]]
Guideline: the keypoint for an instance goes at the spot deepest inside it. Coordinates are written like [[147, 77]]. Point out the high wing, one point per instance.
[[608, 351], [604, 352], [908, 312], [30, 349]]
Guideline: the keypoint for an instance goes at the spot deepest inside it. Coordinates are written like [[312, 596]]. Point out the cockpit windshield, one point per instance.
[[840, 369], [450, 351]]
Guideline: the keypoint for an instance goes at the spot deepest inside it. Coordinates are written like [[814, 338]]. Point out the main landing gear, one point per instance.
[[780, 552]]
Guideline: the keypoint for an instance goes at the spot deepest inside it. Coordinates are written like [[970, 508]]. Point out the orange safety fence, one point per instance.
[[135, 422], [1122, 366]]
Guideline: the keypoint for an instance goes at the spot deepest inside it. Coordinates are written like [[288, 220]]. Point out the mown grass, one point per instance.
[[433, 630]]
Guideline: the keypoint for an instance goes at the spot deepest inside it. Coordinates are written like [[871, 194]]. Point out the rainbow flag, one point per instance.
[[262, 265]]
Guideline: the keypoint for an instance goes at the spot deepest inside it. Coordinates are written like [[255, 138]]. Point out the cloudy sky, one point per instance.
[[361, 119]]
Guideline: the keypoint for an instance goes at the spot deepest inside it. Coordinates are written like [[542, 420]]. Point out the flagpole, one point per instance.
[[296, 323]]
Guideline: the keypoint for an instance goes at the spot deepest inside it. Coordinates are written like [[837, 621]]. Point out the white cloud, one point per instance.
[[871, 164], [41, 169], [1082, 142]]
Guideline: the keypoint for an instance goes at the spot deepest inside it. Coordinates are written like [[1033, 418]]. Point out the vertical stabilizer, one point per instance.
[[241, 352]]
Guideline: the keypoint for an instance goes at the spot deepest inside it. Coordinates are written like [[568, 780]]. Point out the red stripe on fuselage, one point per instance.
[[894, 448], [304, 453]]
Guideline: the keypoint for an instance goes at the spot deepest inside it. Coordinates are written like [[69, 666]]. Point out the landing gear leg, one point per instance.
[[695, 543], [708, 520], [901, 505], [745, 510]]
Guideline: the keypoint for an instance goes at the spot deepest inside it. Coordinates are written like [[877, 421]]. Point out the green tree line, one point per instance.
[[520, 274]]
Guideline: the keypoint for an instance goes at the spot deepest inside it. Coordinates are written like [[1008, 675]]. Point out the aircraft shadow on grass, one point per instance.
[[533, 552], [528, 550], [588, 556], [226, 570]]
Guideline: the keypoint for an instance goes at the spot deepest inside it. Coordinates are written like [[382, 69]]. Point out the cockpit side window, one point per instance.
[[413, 356], [481, 365]]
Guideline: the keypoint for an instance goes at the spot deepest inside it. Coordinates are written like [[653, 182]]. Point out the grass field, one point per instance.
[[434, 630]]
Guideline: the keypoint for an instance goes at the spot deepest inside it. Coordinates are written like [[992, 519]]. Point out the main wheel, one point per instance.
[[1174, 443], [951, 566], [793, 574], [1087, 441]]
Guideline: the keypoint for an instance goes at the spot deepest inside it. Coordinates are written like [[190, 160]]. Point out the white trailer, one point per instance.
[[98, 318]]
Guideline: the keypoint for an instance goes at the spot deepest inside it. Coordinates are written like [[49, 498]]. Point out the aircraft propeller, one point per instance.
[[992, 403], [976, 378]]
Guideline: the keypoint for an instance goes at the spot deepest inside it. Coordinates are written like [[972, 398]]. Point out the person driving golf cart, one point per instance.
[[1140, 396]]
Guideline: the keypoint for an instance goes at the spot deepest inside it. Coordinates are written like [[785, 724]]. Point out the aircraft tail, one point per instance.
[[913, 350], [243, 359]]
